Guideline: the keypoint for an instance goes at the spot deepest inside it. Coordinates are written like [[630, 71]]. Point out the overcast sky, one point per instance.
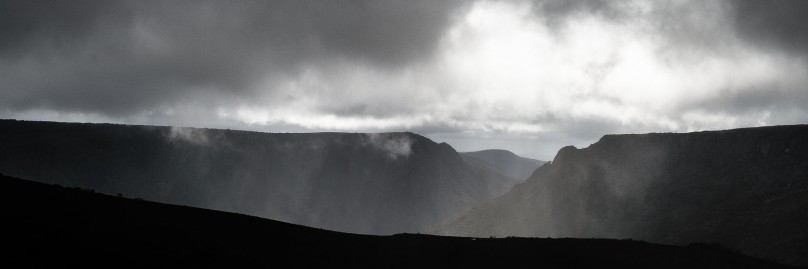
[[527, 76]]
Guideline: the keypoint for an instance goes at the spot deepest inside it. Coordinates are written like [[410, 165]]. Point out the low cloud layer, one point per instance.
[[192, 136], [528, 76], [395, 145]]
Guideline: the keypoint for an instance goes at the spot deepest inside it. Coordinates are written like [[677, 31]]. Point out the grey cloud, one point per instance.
[[436, 128], [176, 62], [27, 24], [778, 100], [121, 57], [556, 11], [711, 26], [692, 26], [776, 24]]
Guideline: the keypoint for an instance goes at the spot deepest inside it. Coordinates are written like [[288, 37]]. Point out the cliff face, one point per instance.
[[364, 183], [744, 188]]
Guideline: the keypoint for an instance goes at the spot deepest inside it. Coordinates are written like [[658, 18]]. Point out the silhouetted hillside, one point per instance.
[[744, 188], [48, 226], [515, 166], [365, 183]]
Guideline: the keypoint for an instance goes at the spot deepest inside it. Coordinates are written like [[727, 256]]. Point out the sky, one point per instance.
[[526, 76]]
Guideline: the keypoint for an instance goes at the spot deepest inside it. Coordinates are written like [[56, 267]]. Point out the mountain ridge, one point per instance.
[[515, 166], [743, 188], [378, 183]]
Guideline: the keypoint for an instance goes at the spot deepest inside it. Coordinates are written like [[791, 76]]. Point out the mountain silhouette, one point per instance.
[[364, 183], [51, 226], [744, 188], [515, 166]]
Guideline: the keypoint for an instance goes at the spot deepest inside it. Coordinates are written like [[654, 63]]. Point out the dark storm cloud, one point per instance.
[[119, 57], [26, 24], [778, 24]]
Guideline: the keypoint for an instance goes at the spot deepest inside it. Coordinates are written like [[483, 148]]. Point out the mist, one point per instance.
[[729, 187], [379, 183]]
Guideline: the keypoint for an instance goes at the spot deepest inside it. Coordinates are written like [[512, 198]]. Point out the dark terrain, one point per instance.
[[52, 226], [746, 189], [365, 183], [505, 161]]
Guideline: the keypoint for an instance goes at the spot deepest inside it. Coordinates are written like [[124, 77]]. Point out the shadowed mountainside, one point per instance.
[[365, 183], [51, 226], [515, 166], [743, 188]]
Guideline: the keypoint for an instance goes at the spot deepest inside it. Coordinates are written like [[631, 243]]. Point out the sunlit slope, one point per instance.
[[745, 188]]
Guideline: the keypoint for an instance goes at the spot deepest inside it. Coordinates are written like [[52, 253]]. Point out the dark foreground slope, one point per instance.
[[744, 188], [364, 183], [51, 226], [515, 166]]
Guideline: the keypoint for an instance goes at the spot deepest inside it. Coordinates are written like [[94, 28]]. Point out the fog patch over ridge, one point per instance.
[[395, 145], [194, 136]]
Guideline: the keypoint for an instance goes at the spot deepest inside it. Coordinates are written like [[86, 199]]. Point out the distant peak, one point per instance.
[[564, 153], [407, 134], [492, 151]]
